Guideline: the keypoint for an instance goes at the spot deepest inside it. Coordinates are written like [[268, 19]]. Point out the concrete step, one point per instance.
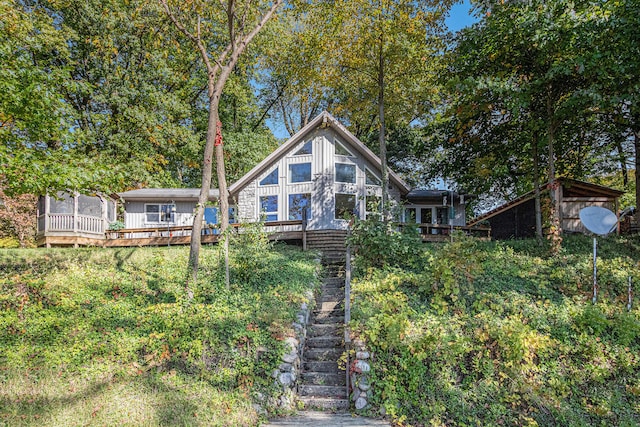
[[337, 319], [323, 366], [321, 329], [322, 354], [325, 342], [322, 391], [326, 306], [324, 378], [325, 404]]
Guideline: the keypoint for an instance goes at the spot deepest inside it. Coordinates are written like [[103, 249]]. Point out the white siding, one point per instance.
[[322, 186]]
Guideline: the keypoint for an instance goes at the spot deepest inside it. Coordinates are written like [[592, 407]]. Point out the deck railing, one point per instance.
[[71, 223], [428, 230], [185, 230]]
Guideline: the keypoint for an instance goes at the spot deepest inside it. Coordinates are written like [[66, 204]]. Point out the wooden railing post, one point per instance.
[[347, 306], [304, 229]]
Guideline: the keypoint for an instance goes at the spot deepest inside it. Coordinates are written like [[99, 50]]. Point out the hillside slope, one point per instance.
[[497, 334]]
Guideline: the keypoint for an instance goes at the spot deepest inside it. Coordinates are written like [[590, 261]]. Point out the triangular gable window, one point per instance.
[[371, 179], [341, 150], [271, 179], [307, 148]]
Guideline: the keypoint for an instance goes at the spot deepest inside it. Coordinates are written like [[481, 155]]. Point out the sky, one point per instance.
[[459, 17]]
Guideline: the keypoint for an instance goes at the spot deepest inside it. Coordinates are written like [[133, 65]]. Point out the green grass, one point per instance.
[[108, 337], [495, 334]]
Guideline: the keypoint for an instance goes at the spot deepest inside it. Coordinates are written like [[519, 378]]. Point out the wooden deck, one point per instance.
[[277, 230]]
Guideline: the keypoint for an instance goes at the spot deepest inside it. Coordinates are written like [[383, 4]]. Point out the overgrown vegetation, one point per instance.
[[488, 334], [108, 337]]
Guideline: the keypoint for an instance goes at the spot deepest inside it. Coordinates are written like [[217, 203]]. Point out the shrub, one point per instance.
[[381, 244]]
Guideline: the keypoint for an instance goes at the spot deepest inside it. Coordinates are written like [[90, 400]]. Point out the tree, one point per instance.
[[220, 34], [522, 68], [18, 216]]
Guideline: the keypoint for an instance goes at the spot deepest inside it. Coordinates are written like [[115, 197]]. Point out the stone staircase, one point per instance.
[[322, 385]]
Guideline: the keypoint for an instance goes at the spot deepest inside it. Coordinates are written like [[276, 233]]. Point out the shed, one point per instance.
[[516, 219]]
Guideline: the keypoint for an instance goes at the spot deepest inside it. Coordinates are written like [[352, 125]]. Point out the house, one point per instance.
[[323, 174], [516, 219]]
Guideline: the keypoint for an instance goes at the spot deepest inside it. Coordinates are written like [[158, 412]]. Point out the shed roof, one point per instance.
[[324, 119]]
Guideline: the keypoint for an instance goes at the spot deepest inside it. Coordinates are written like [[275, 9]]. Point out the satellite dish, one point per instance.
[[598, 220]]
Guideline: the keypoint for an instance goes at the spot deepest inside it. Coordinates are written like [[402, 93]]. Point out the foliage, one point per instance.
[[108, 336], [115, 226], [382, 244], [487, 333], [17, 217]]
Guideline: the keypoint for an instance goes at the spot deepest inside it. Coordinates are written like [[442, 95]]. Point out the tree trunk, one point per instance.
[[381, 136], [536, 183], [623, 164], [205, 186], [636, 146]]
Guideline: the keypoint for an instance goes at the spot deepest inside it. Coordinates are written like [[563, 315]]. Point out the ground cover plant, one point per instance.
[[108, 336], [476, 333]]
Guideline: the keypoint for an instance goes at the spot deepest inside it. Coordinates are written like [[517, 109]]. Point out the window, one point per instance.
[[307, 148], [441, 215], [410, 215], [232, 215], [211, 215], [426, 215], [300, 172], [269, 208], [345, 206], [371, 179], [271, 179], [373, 206], [341, 150], [297, 204], [345, 173], [159, 213]]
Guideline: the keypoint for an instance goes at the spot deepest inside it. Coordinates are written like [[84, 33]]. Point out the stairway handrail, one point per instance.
[[347, 305]]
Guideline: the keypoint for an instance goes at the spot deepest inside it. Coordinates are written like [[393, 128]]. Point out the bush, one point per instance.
[[379, 244]]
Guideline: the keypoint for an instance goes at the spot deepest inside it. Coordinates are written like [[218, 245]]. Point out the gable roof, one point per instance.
[[323, 120], [569, 185]]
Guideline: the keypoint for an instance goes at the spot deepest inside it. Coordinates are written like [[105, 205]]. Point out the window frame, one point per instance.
[[291, 165], [355, 172], [337, 142], [163, 209], [308, 207], [268, 213], [274, 171], [302, 147], [335, 205], [368, 172]]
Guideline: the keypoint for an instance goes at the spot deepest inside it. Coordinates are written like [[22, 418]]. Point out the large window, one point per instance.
[[307, 148], [159, 213], [345, 206], [269, 208], [300, 172], [271, 179], [298, 203], [345, 173]]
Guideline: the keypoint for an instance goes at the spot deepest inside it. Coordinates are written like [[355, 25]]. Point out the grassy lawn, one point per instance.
[[500, 334], [107, 336]]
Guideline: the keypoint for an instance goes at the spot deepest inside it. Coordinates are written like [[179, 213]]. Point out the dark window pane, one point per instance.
[[306, 149], [297, 204], [426, 216], [211, 215], [300, 172], [345, 205], [271, 179], [371, 178], [345, 173], [410, 215], [341, 150]]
